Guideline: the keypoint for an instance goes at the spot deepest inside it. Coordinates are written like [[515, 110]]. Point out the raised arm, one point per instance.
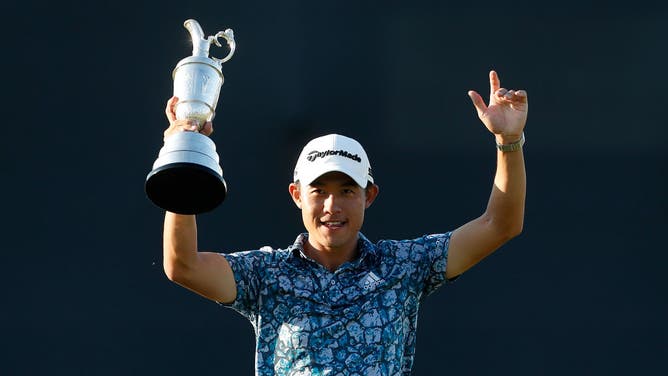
[[505, 117], [205, 273]]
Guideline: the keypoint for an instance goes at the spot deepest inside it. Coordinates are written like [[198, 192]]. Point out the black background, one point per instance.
[[581, 291]]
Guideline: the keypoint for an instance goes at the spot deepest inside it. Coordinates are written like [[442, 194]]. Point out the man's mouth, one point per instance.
[[333, 224]]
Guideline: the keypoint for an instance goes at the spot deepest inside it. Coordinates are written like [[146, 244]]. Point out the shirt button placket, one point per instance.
[[335, 293]]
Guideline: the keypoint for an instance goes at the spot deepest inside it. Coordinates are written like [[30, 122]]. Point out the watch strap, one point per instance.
[[514, 146]]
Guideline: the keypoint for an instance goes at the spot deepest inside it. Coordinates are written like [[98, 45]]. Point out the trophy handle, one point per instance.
[[229, 37]]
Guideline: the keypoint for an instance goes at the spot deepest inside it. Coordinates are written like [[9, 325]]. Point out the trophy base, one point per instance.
[[185, 188]]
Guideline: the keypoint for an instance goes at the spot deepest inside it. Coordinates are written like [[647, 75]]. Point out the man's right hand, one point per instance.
[[183, 125]]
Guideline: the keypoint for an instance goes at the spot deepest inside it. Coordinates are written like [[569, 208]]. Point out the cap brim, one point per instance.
[[309, 177]]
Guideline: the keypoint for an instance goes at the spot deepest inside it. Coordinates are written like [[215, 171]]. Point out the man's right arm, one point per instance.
[[206, 273]]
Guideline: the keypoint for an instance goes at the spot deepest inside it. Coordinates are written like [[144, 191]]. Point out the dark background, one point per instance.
[[582, 291]]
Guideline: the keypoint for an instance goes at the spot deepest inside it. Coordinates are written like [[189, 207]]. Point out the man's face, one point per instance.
[[333, 210]]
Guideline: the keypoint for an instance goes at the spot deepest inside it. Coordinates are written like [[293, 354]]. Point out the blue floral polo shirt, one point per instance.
[[358, 320]]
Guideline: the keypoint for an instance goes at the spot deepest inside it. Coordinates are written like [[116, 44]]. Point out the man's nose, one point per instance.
[[331, 204]]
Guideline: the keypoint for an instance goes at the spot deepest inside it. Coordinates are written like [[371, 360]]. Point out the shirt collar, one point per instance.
[[365, 247]]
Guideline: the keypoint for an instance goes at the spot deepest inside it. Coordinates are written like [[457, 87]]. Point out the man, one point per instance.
[[334, 303]]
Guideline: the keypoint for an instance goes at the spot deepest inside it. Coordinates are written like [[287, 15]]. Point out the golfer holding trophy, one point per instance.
[[333, 302], [187, 178]]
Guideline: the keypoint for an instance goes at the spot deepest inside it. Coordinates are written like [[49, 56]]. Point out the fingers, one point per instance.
[[500, 95], [478, 102], [521, 96], [207, 128], [514, 96], [170, 110], [184, 125], [494, 83]]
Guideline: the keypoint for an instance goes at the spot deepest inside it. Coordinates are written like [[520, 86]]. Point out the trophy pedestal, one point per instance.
[[186, 177]]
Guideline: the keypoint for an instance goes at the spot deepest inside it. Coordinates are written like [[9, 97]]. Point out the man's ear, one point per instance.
[[371, 194], [295, 193]]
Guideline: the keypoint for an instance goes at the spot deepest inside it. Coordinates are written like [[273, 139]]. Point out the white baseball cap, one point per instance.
[[333, 152]]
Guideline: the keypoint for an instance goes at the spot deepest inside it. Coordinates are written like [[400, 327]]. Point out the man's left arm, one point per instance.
[[505, 117]]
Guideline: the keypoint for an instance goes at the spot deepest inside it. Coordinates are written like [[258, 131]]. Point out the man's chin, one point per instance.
[[337, 239]]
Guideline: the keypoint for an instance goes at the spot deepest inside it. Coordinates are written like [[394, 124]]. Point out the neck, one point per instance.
[[332, 258]]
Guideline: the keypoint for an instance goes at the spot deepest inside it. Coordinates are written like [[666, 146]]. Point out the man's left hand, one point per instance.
[[506, 113]]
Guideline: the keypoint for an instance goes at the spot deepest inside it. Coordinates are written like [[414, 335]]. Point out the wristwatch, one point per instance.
[[515, 146]]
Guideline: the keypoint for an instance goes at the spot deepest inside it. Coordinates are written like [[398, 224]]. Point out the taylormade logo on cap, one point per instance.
[[333, 153], [312, 156]]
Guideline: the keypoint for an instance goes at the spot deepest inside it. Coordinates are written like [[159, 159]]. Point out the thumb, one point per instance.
[[478, 102]]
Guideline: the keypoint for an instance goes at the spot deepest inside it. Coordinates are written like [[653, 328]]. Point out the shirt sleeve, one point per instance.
[[436, 249], [247, 267]]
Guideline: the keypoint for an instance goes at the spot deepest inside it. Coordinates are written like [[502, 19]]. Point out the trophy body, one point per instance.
[[197, 84], [187, 178]]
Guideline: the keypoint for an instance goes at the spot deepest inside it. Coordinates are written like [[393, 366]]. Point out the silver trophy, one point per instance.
[[187, 178]]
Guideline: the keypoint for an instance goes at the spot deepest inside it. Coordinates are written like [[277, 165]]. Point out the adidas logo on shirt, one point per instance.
[[371, 280]]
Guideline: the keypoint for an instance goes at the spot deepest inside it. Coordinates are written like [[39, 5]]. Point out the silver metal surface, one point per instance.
[[189, 147], [198, 78]]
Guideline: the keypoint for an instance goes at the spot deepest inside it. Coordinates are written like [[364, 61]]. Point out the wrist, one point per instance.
[[505, 139]]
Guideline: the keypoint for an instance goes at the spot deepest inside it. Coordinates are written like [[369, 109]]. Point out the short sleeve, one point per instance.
[[247, 267], [421, 261], [436, 246]]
